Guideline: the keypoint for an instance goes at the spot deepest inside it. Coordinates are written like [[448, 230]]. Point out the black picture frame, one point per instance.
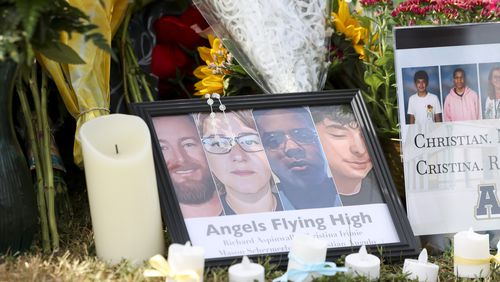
[[407, 244]]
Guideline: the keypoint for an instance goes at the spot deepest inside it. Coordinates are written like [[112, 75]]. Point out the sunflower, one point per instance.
[[217, 61], [351, 28]]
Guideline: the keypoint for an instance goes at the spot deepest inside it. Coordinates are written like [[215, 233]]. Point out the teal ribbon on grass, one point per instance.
[[325, 268]]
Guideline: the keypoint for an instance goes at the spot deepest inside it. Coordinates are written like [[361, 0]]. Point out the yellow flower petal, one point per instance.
[[359, 49], [211, 39], [212, 74], [212, 80], [343, 11], [204, 53], [202, 72]]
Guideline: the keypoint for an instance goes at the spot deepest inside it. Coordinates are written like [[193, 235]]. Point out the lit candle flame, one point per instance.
[[363, 254], [423, 257], [246, 262]]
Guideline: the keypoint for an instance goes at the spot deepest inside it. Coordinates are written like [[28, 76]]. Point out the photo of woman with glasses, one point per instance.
[[238, 162]]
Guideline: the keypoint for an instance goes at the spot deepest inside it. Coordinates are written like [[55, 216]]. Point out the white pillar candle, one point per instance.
[[363, 264], [307, 250], [246, 271], [183, 258], [121, 185], [471, 254], [421, 269]]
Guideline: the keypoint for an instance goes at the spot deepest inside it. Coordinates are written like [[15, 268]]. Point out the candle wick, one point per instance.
[[116, 149]]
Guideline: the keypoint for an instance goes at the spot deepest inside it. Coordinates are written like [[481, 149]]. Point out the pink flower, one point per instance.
[[446, 11]]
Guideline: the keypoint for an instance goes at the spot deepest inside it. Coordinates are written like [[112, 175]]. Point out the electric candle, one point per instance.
[[363, 264], [306, 250], [421, 269], [246, 271], [471, 254], [185, 258], [122, 191]]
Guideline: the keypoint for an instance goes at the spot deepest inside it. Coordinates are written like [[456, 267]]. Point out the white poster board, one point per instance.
[[450, 130]]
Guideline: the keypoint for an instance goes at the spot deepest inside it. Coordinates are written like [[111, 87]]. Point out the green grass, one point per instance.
[[76, 260]]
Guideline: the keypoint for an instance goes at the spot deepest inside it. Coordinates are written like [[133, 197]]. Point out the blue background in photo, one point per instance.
[[484, 71], [410, 89], [447, 78]]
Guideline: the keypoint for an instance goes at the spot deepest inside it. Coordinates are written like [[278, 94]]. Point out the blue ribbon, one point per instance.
[[325, 268]]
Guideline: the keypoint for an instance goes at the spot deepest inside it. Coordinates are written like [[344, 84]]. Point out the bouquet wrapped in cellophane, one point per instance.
[[281, 44]]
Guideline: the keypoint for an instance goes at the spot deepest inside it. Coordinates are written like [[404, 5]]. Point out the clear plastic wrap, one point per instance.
[[281, 44]]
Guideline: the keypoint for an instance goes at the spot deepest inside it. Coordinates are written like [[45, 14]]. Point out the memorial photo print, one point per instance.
[[448, 81], [245, 180]]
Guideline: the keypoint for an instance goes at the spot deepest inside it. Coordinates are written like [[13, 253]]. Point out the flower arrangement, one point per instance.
[[360, 56], [361, 52]]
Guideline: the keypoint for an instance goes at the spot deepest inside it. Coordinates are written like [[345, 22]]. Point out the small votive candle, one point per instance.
[[186, 257], [306, 250], [246, 271], [363, 264], [471, 254], [421, 269]]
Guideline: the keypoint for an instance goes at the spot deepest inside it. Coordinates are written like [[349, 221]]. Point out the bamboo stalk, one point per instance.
[[35, 93], [38, 171], [49, 174], [32, 81]]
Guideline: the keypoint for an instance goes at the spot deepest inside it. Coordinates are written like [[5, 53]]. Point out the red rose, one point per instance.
[[182, 29], [166, 59], [174, 36]]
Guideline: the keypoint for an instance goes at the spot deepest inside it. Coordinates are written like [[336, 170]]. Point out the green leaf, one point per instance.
[[382, 61], [238, 69], [101, 43], [61, 53], [373, 80]]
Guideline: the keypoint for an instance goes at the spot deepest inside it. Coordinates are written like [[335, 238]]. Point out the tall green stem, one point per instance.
[[123, 54], [134, 88], [47, 160], [145, 84], [38, 170]]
